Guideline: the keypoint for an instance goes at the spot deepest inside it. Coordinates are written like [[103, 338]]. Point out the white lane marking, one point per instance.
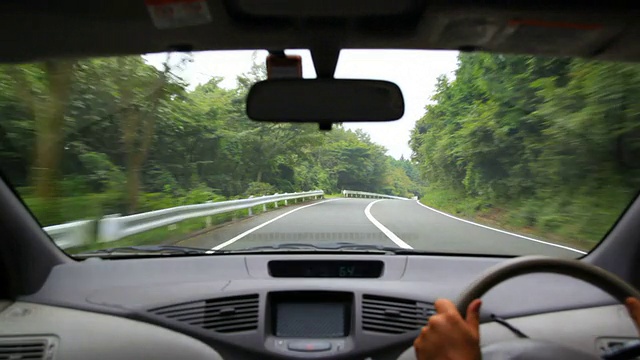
[[393, 237], [502, 231], [232, 240]]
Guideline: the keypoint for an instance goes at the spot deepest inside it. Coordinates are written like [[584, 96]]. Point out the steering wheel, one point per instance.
[[534, 349]]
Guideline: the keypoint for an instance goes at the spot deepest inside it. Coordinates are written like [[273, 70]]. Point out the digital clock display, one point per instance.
[[326, 268], [347, 271]]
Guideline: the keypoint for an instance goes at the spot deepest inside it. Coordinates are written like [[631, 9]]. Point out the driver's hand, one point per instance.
[[633, 306], [449, 336]]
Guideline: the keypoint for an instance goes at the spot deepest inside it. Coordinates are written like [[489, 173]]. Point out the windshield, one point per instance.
[[495, 154]]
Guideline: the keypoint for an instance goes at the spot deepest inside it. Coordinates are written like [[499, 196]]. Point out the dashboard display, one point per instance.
[[311, 319], [326, 268]]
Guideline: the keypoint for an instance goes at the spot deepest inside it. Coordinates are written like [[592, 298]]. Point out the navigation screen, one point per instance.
[[311, 319]]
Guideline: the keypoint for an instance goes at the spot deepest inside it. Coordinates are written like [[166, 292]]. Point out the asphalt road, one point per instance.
[[396, 223]]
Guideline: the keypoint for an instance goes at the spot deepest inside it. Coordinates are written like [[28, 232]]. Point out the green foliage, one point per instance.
[[135, 139], [157, 201], [453, 202], [553, 145], [80, 207], [102, 174], [199, 195], [402, 179], [259, 189]]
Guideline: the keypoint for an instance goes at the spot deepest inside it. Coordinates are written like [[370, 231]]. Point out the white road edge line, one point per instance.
[[236, 238], [502, 231], [393, 237]]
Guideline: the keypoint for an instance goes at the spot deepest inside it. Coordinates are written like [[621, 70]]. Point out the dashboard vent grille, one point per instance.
[[223, 315], [19, 349], [393, 316]]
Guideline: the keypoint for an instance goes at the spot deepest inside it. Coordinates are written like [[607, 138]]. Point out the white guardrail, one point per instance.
[[115, 227], [363, 194]]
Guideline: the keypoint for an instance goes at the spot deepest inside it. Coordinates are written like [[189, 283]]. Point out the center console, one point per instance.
[[309, 322]]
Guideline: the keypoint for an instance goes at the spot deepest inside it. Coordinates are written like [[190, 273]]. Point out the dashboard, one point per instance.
[[279, 306]]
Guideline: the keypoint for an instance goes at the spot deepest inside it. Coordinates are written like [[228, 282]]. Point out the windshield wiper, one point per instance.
[[144, 250], [174, 250], [328, 247]]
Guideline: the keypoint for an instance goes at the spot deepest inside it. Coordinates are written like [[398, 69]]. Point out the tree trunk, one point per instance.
[[48, 113], [129, 128], [137, 127], [136, 153], [133, 183], [259, 177]]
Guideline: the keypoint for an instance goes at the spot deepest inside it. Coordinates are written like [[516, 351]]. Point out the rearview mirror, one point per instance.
[[324, 101]]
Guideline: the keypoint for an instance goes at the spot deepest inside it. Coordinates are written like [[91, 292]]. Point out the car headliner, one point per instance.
[[37, 30]]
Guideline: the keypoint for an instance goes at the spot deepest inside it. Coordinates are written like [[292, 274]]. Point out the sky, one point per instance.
[[414, 71]]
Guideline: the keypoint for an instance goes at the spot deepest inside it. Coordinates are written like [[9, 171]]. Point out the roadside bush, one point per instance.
[[259, 189]]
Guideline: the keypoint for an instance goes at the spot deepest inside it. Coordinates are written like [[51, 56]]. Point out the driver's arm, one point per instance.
[[448, 336]]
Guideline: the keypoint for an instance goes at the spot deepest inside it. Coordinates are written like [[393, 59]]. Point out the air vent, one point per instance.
[[26, 348], [393, 316], [223, 315]]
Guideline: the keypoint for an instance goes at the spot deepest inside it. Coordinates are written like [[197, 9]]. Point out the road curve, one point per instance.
[[399, 223], [427, 229]]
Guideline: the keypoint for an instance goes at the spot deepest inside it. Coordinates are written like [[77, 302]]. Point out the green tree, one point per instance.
[[544, 138]]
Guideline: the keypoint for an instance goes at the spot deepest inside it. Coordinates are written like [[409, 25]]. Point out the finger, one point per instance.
[[423, 332], [473, 314], [444, 306], [422, 336], [633, 307], [419, 343]]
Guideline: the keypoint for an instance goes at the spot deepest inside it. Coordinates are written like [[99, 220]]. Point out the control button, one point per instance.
[[309, 346]]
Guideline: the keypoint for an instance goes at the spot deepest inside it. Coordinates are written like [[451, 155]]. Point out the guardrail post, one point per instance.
[[72, 234], [208, 221], [109, 228], [250, 209], [264, 207]]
